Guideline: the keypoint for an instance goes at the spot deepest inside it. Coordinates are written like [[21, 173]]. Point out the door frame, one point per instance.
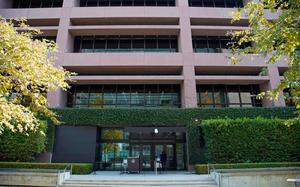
[[153, 153]]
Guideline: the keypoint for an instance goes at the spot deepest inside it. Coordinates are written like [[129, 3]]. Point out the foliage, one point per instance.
[[27, 73], [250, 140], [276, 39], [163, 117], [204, 168], [17, 146], [77, 168]]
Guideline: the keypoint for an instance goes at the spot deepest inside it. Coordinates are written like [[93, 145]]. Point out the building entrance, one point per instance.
[[150, 153], [148, 143]]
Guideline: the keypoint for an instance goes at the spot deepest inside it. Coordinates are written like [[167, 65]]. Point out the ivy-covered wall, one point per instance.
[[247, 140], [163, 117]]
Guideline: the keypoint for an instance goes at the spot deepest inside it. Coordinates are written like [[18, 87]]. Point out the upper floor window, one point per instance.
[[216, 3], [107, 96], [37, 3], [98, 44], [87, 3], [228, 96], [213, 44]]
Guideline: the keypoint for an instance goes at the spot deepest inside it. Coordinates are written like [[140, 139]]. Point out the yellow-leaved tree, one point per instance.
[[27, 73]]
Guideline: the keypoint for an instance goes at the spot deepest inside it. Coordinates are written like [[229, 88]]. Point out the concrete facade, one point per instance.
[[183, 21]]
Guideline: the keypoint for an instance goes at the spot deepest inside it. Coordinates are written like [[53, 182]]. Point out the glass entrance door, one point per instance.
[[169, 149], [144, 151], [146, 157]]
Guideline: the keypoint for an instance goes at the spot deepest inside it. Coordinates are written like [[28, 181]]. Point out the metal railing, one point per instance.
[[68, 168]]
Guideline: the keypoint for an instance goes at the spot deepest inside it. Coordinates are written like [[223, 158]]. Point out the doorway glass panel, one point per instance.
[[146, 151], [135, 150], [180, 156], [158, 150], [170, 157]]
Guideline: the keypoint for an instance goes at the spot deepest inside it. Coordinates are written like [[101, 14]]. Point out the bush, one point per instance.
[[162, 116], [18, 146], [77, 168], [250, 140], [204, 168]]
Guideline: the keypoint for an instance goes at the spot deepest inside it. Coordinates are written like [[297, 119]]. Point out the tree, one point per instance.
[[274, 39], [27, 73]]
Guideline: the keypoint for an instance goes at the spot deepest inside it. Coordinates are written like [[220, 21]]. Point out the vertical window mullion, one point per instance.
[[105, 44], [226, 97], [94, 40], [80, 45], [170, 44], [213, 95], [89, 91], [131, 42], [240, 96], [74, 96], [220, 47], [119, 41], [207, 45]]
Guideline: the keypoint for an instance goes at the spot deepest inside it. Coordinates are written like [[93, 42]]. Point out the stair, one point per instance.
[[138, 183]]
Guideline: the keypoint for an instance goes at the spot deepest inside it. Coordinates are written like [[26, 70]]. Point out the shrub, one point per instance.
[[19, 146], [204, 168], [77, 168], [250, 140], [162, 116]]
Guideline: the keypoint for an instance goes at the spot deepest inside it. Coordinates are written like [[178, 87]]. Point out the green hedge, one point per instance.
[[250, 140], [17, 146], [77, 168], [203, 168], [163, 116]]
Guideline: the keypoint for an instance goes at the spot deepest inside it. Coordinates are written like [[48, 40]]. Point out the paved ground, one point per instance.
[[115, 175]]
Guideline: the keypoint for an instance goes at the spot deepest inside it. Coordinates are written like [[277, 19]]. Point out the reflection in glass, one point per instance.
[[113, 154], [112, 134], [180, 156]]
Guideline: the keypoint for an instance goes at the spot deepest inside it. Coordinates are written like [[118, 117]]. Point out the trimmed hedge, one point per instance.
[[250, 140], [204, 168], [17, 146], [162, 116], [77, 168]]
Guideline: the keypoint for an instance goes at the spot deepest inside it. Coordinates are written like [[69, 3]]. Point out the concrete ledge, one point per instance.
[[32, 177], [262, 177]]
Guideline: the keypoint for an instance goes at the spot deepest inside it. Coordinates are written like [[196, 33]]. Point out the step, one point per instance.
[[136, 183]]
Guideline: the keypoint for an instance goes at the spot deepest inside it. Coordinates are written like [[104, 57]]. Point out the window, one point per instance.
[[98, 96], [228, 95], [206, 96], [216, 3], [213, 44], [200, 45], [123, 95], [109, 94], [88, 44], [85, 3], [37, 3]]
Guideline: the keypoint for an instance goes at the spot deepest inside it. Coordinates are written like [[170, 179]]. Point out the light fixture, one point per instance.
[[155, 131]]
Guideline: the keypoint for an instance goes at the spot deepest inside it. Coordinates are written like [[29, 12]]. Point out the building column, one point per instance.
[[274, 81], [64, 42], [189, 96]]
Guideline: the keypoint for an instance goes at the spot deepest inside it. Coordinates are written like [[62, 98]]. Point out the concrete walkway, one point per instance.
[[148, 175], [144, 179]]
